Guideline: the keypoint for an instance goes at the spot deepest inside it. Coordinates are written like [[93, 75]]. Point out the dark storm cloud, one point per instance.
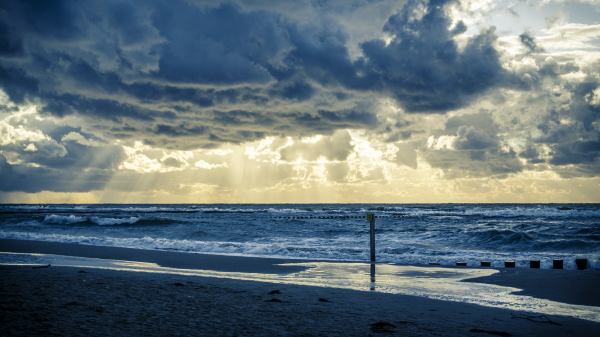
[[16, 84], [470, 138], [531, 154], [422, 67], [482, 121], [576, 141], [530, 44], [68, 104], [569, 133], [145, 66], [221, 45], [156, 60], [194, 75], [575, 153], [476, 149], [37, 179], [297, 90], [459, 164]]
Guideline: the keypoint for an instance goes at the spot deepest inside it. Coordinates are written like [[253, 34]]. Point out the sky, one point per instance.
[[306, 101]]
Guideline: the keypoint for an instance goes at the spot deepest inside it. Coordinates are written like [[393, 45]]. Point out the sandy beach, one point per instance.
[[93, 301]]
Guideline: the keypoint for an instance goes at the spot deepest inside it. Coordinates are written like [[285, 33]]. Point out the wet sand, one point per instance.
[[580, 287], [169, 259], [71, 301]]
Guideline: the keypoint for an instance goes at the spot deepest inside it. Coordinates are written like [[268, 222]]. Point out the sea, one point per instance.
[[414, 234]]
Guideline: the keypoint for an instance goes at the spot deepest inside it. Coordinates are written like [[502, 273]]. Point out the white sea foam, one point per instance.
[[28, 207], [112, 222], [71, 219], [64, 220]]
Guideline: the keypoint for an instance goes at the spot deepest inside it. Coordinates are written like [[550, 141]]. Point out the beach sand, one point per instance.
[[74, 301]]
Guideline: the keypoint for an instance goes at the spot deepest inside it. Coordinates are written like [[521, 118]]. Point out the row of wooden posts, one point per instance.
[[334, 217], [556, 264]]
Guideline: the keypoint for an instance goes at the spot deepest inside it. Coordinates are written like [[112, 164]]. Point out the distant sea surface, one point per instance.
[[405, 233]]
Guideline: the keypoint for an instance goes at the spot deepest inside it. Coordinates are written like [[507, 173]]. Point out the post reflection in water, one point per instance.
[[372, 276]]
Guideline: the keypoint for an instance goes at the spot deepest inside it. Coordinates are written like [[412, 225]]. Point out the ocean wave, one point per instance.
[[27, 207], [448, 232], [113, 222], [64, 220], [309, 249], [73, 219]]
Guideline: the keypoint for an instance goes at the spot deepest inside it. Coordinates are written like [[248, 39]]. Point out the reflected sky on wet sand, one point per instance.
[[439, 283]]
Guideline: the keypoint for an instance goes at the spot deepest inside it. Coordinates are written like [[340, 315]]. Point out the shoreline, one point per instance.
[[564, 286], [64, 300], [170, 259]]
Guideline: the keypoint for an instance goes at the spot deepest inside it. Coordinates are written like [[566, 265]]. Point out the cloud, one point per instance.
[[530, 43], [333, 148], [337, 171], [406, 155], [80, 139], [183, 70], [37, 179], [333, 94], [469, 146], [422, 66], [469, 138], [531, 154]]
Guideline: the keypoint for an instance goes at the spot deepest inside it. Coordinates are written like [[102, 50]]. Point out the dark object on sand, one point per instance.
[[557, 264], [274, 292], [509, 264], [534, 264], [323, 300], [434, 263], [382, 327], [179, 284], [486, 264], [496, 333], [40, 267], [537, 319], [581, 264], [463, 264], [276, 300]]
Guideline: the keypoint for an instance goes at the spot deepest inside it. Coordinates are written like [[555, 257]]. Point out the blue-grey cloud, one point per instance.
[[37, 179], [530, 43], [422, 66], [198, 74], [153, 60]]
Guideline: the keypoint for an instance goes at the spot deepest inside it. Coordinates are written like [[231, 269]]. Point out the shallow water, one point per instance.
[[430, 282]]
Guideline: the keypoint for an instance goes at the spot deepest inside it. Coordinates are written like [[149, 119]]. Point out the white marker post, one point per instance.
[[371, 218]]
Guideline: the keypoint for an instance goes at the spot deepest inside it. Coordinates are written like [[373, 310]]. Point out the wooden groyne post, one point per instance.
[[371, 218]]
